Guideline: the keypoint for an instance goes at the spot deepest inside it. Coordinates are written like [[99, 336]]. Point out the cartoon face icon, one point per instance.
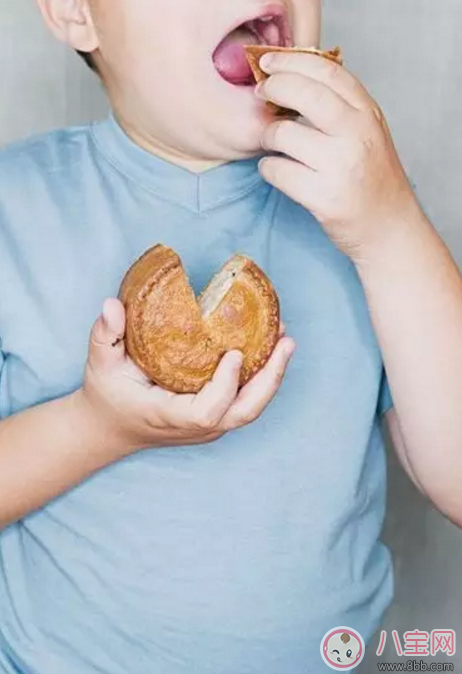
[[342, 648]]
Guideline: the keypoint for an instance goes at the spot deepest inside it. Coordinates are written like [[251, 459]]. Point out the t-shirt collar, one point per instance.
[[198, 192]]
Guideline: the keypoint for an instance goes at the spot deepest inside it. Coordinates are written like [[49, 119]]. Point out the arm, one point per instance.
[[414, 292], [396, 437], [344, 168], [48, 449]]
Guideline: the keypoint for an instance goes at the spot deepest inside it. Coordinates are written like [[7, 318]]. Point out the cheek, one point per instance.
[[135, 32], [154, 66]]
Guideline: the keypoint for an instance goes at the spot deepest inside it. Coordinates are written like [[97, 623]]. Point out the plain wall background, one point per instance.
[[407, 52]]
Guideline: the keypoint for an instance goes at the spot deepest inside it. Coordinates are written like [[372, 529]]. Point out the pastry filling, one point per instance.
[[220, 285], [229, 57]]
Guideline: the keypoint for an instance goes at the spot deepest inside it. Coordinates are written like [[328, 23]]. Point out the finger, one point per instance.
[[332, 74], [258, 393], [323, 107], [220, 392], [302, 143], [296, 180], [207, 408], [106, 340]]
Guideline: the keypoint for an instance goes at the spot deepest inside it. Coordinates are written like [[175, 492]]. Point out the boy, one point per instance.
[[236, 551]]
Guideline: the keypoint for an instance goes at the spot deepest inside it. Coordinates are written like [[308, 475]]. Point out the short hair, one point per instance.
[[88, 58]]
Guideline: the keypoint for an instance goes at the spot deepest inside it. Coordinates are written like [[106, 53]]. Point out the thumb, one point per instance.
[[106, 339]]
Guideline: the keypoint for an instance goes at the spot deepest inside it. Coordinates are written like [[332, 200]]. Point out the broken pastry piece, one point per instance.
[[177, 340], [255, 52]]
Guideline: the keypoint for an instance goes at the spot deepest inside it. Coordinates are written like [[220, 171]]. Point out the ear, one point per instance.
[[71, 21]]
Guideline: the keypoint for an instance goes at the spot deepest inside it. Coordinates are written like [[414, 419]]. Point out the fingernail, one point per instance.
[[290, 348], [237, 358], [266, 61], [105, 315], [260, 90]]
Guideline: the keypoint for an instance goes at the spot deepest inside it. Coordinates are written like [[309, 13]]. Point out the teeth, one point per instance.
[[252, 26], [267, 29]]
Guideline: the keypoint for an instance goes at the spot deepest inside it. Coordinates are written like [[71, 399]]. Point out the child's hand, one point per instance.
[[137, 414], [343, 167]]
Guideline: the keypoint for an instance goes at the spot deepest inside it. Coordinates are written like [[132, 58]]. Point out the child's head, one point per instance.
[[160, 63]]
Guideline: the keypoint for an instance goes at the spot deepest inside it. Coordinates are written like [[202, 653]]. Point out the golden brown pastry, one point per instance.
[[255, 52], [176, 339]]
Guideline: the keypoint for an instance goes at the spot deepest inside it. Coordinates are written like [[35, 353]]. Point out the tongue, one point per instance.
[[229, 57]]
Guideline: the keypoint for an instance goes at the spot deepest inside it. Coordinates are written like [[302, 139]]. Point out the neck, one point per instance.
[[155, 147]]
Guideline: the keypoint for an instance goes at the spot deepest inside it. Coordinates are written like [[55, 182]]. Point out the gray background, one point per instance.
[[408, 54]]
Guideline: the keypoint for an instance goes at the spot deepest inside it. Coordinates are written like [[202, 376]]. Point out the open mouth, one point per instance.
[[271, 28]]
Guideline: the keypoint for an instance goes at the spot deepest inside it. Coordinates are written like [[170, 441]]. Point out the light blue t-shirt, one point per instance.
[[230, 558]]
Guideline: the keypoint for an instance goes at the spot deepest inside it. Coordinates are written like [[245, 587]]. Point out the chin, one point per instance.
[[239, 132], [245, 146], [246, 140], [231, 144]]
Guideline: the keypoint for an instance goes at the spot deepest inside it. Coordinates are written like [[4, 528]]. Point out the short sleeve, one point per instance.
[[385, 402]]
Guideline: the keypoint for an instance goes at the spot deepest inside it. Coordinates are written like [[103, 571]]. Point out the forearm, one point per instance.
[[414, 292], [45, 451]]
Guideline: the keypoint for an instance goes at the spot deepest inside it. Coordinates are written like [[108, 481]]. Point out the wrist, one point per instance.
[[99, 433], [393, 239]]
